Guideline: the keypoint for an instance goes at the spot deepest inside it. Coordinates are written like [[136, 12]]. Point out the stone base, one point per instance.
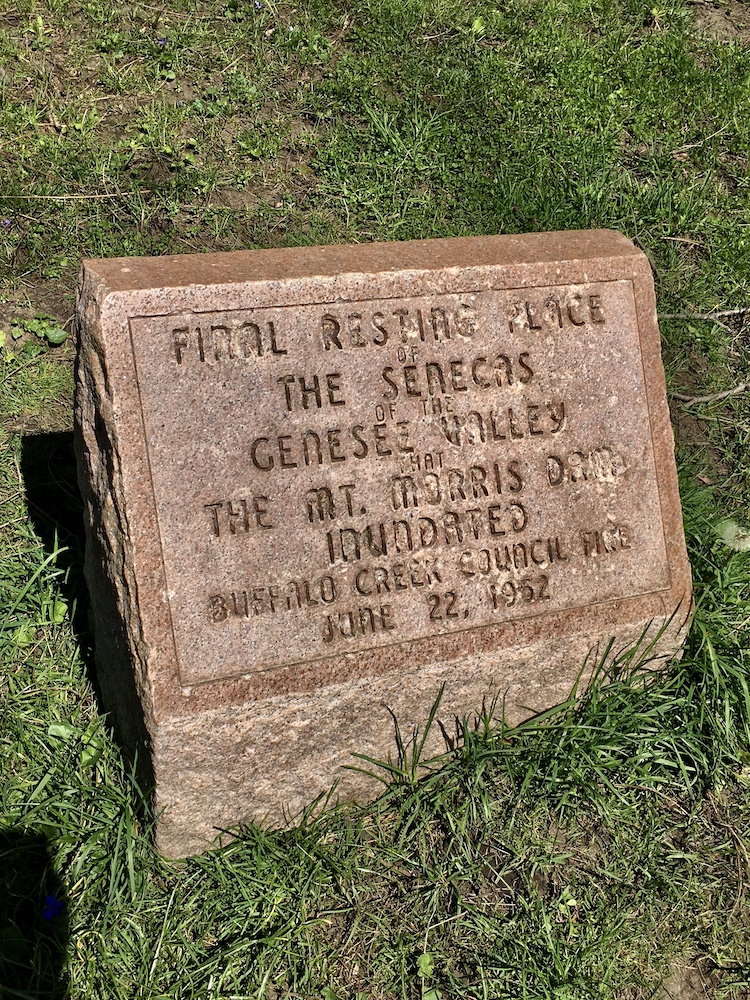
[[278, 755]]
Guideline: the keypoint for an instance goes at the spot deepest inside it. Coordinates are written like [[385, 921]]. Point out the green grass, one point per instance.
[[582, 856]]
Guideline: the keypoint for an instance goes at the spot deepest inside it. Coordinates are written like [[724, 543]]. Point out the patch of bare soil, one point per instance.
[[688, 981], [54, 298], [691, 438], [726, 21]]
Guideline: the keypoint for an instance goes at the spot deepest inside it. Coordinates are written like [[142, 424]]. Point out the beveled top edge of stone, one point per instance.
[[127, 274]]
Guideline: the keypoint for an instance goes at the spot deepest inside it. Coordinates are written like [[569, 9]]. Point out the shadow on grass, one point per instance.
[[55, 506], [33, 920], [48, 467]]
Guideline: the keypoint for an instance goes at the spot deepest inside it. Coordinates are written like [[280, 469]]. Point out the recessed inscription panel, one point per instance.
[[367, 473]]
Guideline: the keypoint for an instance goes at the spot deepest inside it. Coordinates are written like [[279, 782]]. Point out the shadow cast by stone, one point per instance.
[[48, 467], [33, 919], [55, 505]]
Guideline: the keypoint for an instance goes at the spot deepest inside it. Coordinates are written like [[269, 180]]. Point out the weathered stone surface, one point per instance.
[[323, 482]]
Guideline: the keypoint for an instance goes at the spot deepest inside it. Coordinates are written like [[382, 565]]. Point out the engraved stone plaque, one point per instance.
[[325, 481]]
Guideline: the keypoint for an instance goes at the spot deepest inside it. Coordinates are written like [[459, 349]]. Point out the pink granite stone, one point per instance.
[[324, 482]]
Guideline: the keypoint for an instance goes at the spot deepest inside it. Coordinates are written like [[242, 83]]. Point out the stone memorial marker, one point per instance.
[[323, 482]]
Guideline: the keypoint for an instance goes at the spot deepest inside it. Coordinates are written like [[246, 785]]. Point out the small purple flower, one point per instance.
[[161, 42], [258, 5], [53, 907], [5, 223]]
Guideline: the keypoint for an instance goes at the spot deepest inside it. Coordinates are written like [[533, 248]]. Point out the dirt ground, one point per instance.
[[728, 21]]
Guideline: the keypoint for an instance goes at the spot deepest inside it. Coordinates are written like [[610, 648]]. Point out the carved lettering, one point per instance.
[[602, 465], [603, 541], [379, 326], [541, 552], [447, 377], [552, 313], [330, 446], [512, 423], [420, 572], [357, 623], [234, 517], [303, 392], [218, 343], [528, 590], [272, 598], [446, 528]]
